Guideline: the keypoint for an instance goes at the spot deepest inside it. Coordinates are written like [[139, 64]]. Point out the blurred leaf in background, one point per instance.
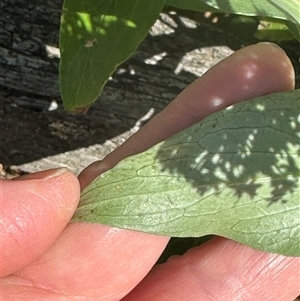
[[95, 37], [274, 31]]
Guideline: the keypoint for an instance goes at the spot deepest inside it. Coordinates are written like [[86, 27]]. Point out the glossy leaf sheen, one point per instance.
[[281, 9], [196, 5], [235, 174], [95, 37]]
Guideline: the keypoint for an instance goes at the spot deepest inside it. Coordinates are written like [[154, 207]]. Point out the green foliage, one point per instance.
[[194, 5], [273, 31], [279, 9], [95, 37], [235, 174], [98, 35]]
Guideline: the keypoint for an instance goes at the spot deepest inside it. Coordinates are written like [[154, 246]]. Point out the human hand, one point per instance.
[[43, 258]]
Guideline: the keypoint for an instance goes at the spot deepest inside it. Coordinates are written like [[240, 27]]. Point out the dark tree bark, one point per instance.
[[27, 28]]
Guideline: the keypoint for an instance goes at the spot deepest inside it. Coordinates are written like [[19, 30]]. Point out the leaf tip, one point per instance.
[[77, 111]]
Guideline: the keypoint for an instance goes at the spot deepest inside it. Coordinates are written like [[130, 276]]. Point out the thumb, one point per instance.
[[34, 211]]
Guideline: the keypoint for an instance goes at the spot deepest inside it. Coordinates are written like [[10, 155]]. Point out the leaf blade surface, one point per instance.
[[95, 37], [234, 174]]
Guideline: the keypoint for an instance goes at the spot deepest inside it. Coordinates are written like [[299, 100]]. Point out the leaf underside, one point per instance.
[[234, 174]]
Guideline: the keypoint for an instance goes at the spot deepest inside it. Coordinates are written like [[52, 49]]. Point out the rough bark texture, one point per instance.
[[36, 137]]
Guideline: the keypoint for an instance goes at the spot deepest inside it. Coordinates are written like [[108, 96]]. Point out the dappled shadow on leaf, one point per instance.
[[251, 149]]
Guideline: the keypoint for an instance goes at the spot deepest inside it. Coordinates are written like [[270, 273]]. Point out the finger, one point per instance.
[[90, 261], [34, 211], [250, 72], [221, 269]]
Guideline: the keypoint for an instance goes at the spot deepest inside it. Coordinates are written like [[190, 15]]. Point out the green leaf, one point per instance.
[[194, 5], [294, 29], [95, 37], [287, 10], [280, 9], [235, 174], [290, 9], [273, 31]]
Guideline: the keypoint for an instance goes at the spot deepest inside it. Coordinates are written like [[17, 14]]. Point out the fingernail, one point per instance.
[[272, 44], [45, 174]]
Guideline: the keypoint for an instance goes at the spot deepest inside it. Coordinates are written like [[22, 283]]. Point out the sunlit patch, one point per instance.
[[195, 61], [251, 137], [250, 70], [220, 174], [271, 149], [163, 26], [52, 52], [53, 106], [179, 68], [238, 170], [228, 166], [292, 75], [245, 150], [69, 29], [260, 107], [274, 121], [174, 152], [101, 31], [229, 108], [205, 171], [201, 156], [216, 101], [249, 74], [85, 19], [121, 71], [112, 231], [291, 148], [294, 124], [155, 58], [129, 23], [215, 159], [188, 22], [143, 119]]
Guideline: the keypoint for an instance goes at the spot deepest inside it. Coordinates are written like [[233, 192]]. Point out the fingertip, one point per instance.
[[278, 73], [34, 211], [92, 171]]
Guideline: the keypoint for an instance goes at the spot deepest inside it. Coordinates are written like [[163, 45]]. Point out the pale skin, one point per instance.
[[44, 257]]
